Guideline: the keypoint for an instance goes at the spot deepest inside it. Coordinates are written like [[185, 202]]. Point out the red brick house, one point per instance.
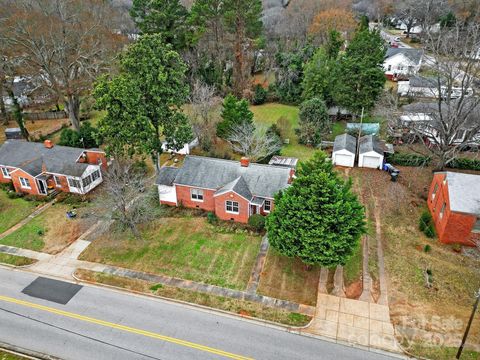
[[233, 190], [39, 169], [454, 202]]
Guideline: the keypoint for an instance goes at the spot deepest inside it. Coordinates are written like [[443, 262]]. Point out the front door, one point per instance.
[[253, 209], [42, 187]]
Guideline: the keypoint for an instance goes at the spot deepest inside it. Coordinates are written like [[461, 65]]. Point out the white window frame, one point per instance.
[[57, 181], [95, 175], [70, 180], [195, 195], [269, 206], [435, 190], [6, 173], [442, 210], [25, 183], [232, 206]]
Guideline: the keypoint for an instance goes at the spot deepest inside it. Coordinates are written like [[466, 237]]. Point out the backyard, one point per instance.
[[36, 128], [51, 231], [183, 247]]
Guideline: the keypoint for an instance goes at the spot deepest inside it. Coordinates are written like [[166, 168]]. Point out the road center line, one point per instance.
[[123, 328]]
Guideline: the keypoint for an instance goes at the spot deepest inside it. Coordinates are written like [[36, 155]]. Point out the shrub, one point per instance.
[[259, 96], [427, 248], [7, 186], [425, 220], [430, 231], [40, 232], [465, 164], [86, 137], [408, 159], [257, 222], [212, 218], [14, 195], [156, 287]]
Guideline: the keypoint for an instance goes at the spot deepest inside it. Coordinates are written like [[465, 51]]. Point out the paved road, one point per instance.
[[99, 323]]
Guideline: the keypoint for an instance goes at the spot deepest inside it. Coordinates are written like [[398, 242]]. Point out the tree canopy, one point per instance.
[[317, 219], [314, 121], [143, 101], [235, 112]]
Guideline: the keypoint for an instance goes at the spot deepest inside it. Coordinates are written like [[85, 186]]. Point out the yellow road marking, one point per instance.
[[123, 328]]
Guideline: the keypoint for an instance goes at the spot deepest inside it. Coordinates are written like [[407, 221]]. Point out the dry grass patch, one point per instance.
[[184, 247], [244, 308], [36, 128], [455, 276], [288, 279], [51, 231]]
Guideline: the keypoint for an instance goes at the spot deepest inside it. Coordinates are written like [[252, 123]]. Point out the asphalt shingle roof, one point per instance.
[[31, 156], [414, 55], [345, 142], [369, 143], [210, 173], [239, 186], [167, 175], [464, 192]]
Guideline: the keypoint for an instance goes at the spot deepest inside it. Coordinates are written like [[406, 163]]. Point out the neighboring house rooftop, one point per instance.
[[167, 175], [464, 192], [226, 175], [425, 82], [345, 142], [31, 157], [414, 55], [369, 143]]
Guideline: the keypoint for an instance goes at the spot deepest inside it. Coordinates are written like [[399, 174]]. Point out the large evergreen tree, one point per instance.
[[317, 219], [166, 17], [235, 112], [361, 76], [314, 121], [143, 101]]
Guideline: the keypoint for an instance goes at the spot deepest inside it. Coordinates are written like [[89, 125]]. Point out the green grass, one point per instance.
[[15, 260], [352, 270], [29, 236], [95, 117], [442, 352], [187, 248], [13, 210], [268, 114], [7, 356]]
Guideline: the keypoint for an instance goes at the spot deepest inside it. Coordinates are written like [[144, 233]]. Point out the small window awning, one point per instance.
[[258, 201]]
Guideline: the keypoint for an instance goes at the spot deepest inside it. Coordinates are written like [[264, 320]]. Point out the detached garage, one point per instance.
[[371, 152], [344, 150]]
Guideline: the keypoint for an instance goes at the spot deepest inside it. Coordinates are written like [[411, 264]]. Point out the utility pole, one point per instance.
[[475, 306]]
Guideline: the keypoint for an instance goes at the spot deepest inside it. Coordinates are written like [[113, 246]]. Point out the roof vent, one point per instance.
[[245, 161], [48, 144]]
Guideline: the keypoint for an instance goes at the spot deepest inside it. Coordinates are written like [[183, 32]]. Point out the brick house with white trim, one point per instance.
[[233, 190], [40, 168]]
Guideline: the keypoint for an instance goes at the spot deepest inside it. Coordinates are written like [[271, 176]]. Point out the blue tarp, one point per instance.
[[367, 128]]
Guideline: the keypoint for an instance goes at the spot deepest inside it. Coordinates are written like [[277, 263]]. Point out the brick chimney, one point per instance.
[[244, 161], [48, 144]]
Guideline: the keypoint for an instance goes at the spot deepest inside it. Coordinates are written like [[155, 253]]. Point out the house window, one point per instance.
[[86, 181], [389, 68], [442, 211], [434, 193], [95, 175], [6, 173], [57, 181], [267, 206], [196, 194], [25, 183], [231, 207], [74, 183], [476, 226]]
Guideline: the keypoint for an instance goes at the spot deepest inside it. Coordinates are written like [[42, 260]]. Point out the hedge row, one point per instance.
[[419, 160]]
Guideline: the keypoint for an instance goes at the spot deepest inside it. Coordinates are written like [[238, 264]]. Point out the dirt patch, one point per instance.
[[354, 290]]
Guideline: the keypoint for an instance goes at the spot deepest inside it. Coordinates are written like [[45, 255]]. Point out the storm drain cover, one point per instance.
[[52, 290]]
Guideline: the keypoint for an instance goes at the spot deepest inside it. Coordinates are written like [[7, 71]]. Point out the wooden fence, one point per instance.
[[46, 115]]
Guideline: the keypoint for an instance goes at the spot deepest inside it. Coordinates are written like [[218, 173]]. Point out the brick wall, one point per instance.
[[184, 198], [452, 227], [221, 212], [4, 179], [16, 182], [94, 158], [63, 183]]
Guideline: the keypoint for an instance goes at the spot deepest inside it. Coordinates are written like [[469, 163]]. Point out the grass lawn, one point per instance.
[[185, 247], [50, 231], [15, 260], [244, 308], [35, 128], [288, 279], [7, 356], [455, 276], [14, 210], [442, 352], [268, 114]]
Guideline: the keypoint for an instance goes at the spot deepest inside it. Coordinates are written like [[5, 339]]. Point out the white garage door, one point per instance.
[[371, 162], [343, 160]]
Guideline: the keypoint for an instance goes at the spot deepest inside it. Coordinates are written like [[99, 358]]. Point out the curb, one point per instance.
[[29, 354], [297, 330]]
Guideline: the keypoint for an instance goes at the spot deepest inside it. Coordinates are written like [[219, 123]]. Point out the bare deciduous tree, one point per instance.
[[255, 144], [126, 199], [67, 42], [452, 122]]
